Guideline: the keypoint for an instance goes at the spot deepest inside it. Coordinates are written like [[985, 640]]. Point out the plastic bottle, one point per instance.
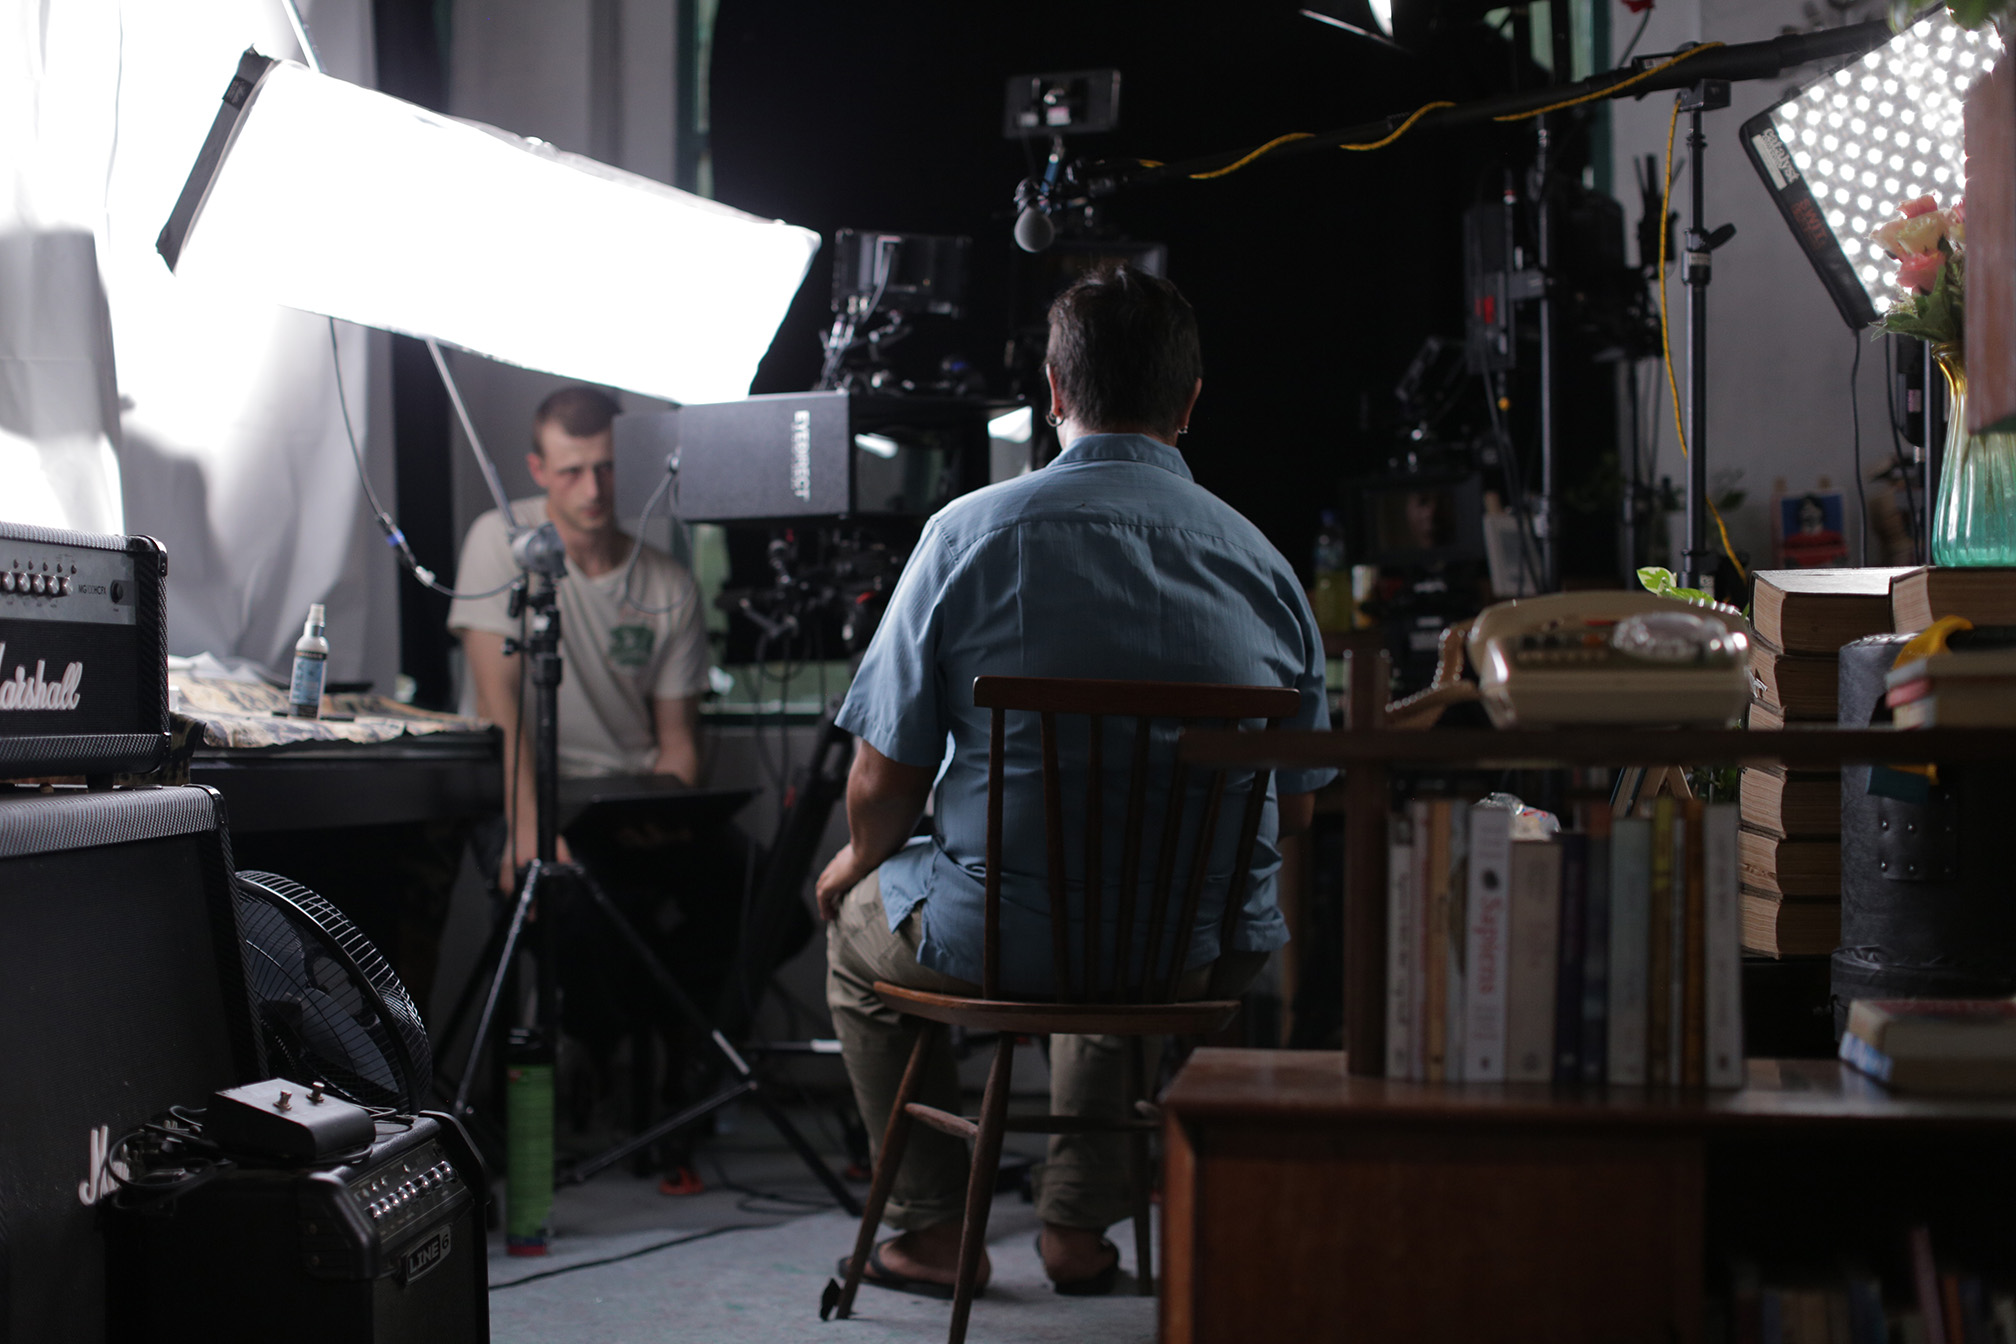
[[1332, 575], [311, 664]]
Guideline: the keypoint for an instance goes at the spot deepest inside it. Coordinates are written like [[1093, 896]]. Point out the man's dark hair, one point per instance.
[[1123, 345], [580, 410]]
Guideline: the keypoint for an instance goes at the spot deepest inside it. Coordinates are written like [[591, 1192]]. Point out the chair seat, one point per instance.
[[1073, 1019]]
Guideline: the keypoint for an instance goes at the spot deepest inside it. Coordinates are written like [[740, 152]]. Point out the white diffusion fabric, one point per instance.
[[337, 199], [223, 414]]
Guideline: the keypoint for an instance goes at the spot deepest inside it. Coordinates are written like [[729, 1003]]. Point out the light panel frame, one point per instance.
[[1843, 154], [326, 196]]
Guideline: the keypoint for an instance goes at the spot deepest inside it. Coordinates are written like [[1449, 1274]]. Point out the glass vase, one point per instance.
[[1974, 522]]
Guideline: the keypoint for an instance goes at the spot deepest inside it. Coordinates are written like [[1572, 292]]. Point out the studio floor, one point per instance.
[[746, 1260]]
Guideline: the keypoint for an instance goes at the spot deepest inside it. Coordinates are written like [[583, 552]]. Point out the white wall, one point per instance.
[[1779, 355], [591, 76]]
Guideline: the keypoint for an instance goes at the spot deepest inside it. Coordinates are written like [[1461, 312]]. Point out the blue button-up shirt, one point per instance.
[[1111, 562]]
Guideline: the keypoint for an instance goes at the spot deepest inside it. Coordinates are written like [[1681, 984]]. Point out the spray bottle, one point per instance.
[[311, 664]]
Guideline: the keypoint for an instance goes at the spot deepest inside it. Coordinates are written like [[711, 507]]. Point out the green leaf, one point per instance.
[[1974, 13], [1940, 316], [1660, 583]]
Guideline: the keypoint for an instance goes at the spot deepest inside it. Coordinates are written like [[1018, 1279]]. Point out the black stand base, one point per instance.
[[560, 877]]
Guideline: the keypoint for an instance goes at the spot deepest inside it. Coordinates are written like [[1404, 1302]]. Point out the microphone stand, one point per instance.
[[544, 560]]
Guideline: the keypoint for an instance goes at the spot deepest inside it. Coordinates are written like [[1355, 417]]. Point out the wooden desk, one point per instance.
[[1304, 1203]]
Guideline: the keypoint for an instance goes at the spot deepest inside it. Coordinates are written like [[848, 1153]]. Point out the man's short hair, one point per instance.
[[582, 411], [1123, 345]]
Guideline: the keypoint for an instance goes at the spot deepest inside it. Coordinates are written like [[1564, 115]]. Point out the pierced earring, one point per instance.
[[1181, 432], [1053, 419]]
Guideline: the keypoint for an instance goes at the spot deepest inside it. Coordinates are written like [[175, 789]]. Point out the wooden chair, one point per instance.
[[1105, 993]]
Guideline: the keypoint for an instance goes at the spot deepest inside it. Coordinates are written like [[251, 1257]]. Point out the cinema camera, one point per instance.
[[843, 480]]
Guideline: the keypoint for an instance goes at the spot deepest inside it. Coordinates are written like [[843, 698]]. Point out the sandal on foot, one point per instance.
[[1092, 1285], [882, 1276]]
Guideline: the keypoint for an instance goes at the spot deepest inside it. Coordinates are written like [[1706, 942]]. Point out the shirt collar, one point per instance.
[[1125, 448]]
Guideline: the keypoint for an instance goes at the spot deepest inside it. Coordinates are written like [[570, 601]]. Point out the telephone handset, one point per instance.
[[1610, 657]]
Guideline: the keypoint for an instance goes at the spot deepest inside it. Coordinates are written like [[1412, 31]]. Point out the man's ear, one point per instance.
[[535, 463], [1057, 407], [1195, 390]]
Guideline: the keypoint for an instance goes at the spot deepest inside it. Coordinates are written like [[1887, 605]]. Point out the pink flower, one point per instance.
[[1919, 271]]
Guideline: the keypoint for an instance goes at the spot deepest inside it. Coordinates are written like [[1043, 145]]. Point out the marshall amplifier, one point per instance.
[[385, 1249], [808, 455], [83, 645], [123, 992]]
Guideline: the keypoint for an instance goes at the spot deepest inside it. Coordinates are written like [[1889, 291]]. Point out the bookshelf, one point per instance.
[[1303, 1202], [1369, 756], [1308, 1197]]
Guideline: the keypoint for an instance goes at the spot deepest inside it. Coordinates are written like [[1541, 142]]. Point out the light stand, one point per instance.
[[540, 554], [1698, 563]]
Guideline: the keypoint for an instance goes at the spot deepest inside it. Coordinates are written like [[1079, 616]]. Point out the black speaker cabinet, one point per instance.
[[385, 1249], [122, 992]]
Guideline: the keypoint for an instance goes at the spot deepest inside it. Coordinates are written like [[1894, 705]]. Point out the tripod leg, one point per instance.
[[806, 1153], [479, 977], [681, 1001], [503, 971]]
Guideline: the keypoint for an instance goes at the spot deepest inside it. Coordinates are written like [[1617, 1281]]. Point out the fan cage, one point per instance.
[[331, 1008]]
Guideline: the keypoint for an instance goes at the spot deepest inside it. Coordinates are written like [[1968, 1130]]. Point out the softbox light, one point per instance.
[[322, 195], [1844, 153]]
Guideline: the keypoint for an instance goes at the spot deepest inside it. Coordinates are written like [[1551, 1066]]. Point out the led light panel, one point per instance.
[[1844, 154], [322, 195]]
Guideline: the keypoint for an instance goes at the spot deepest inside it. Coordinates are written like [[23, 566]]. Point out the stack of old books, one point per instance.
[[1791, 839]]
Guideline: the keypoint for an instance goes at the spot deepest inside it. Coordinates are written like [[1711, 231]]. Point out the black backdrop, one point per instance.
[[1315, 279]]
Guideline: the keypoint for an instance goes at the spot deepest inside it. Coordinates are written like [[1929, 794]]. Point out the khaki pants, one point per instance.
[[1086, 1181]]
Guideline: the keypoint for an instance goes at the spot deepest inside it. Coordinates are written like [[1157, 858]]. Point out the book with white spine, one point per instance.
[[1724, 959], [1485, 944], [1401, 940], [1630, 946], [1534, 925]]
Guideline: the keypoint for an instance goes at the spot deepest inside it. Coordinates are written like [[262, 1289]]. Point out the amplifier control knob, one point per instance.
[[35, 585], [63, 586], [7, 582]]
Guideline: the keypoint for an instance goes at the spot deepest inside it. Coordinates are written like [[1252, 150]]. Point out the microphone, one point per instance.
[[540, 551], [1033, 230]]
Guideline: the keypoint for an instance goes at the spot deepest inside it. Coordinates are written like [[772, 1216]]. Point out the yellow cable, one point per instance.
[[1275, 143], [1666, 341], [1405, 127], [1612, 90]]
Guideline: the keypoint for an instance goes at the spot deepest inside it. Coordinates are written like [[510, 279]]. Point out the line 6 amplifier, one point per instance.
[[385, 1249], [83, 653]]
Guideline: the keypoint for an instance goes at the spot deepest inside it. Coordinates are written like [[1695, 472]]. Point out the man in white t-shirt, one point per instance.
[[634, 658], [632, 640]]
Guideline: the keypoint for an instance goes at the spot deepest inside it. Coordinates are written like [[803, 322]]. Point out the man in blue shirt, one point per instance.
[[1111, 562]]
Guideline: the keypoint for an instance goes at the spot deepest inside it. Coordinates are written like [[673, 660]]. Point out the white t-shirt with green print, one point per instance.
[[619, 656]]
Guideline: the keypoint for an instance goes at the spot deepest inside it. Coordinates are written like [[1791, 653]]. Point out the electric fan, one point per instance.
[[330, 1008]]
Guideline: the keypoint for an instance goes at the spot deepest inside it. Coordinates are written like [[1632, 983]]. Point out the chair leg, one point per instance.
[[980, 1185], [895, 1137], [1144, 1248]]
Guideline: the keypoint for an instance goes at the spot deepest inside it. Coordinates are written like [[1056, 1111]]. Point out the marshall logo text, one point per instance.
[[24, 692]]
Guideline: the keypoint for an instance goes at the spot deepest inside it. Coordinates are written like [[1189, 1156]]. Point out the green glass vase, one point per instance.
[[1974, 522]]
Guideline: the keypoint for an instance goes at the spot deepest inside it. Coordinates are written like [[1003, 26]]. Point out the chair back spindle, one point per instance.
[[1186, 840]]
